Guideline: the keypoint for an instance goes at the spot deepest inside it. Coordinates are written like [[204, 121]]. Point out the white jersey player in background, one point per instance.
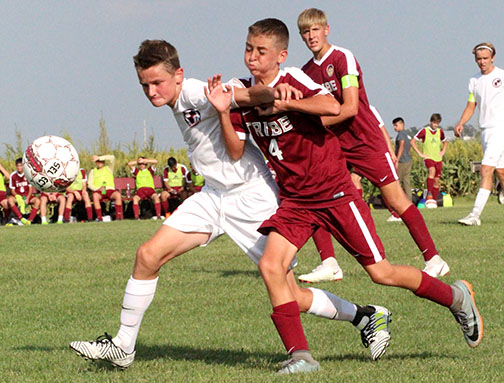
[[237, 197], [486, 91]]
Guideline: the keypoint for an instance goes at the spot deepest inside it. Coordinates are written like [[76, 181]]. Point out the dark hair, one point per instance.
[[172, 161], [436, 117], [271, 27], [19, 161], [154, 52], [397, 119]]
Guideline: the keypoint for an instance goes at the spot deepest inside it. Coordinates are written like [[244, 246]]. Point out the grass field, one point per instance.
[[209, 321]]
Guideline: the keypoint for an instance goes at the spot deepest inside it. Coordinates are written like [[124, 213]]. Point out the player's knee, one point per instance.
[[146, 257], [269, 267]]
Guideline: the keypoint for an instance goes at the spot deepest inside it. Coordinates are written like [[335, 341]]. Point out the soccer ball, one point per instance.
[[50, 164], [431, 204]]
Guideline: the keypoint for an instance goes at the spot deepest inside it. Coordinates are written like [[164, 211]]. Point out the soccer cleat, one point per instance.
[[295, 366], [322, 273], [468, 316], [376, 333], [470, 220], [394, 219], [45, 223], [103, 349], [24, 221], [436, 267]]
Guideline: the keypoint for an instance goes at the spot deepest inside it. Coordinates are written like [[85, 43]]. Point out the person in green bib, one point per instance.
[[195, 181], [77, 192], [4, 201], [433, 149], [101, 183], [144, 180], [174, 182]]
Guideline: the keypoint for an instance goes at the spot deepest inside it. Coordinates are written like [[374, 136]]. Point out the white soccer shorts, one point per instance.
[[492, 140], [238, 213]]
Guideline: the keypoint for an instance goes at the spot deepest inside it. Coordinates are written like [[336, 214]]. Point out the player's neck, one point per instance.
[[321, 53], [267, 78], [488, 70]]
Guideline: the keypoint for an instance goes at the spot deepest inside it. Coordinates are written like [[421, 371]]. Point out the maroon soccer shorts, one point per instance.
[[3, 195], [374, 164], [434, 164], [350, 223], [145, 192], [107, 195]]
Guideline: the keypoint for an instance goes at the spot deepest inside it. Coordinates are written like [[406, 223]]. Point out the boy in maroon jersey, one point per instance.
[[292, 142], [22, 191], [357, 129]]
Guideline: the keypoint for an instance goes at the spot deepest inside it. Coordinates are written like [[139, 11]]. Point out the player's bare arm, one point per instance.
[[349, 108], [5, 172], [320, 105], [466, 116], [415, 148], [220, 99], [400, 151], [443, 150]]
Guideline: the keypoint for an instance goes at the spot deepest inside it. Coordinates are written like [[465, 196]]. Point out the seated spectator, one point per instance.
[[4, 201], [22, 194], [174, 181], [144, 181], [77, 192], [194, 181], [101, 183], [50, 197]]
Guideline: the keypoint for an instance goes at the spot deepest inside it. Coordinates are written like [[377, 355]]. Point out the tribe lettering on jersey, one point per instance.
[[329, 71], [19, 184], [200, 127], [305, 156]]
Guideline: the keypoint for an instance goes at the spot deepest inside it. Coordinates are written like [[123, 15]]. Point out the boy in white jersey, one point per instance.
[[238, 196], [486, 91]]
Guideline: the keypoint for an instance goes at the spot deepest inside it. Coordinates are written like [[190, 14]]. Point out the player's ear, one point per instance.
[[326, 31], [282, 56], [179, 75]]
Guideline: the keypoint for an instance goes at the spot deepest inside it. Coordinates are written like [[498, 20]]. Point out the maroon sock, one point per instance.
[[157, 207], [89, 213], [430, 185], [323, 242], [66, 214], [288, 324], [99, 214], [136, 210], [32, 215], [435, 193], [119, 212], [165, 206], [16, 212], [413, 219], [435, 290], [7, 212]]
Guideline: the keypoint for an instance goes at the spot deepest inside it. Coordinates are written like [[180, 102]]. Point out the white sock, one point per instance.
[[330, 306], [331, 262], [481, 200], [137, 298], [60, 218], [44, 219]]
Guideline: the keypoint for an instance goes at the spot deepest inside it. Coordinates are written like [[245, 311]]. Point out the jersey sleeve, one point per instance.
[[183, 169], [420, 136], [134, 171], [442, 136], [152, 170], [84, 175], [238, 125], [165, 174], [347, 66], [301, 81], [188, 177]]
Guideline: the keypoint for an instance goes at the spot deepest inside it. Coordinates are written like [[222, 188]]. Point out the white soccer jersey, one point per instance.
[[488, 91], [199, 123]]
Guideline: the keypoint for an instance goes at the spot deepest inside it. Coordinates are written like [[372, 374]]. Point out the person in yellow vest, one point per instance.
[[101, 183], [52, 198], [77, 192], [174, 182], [433, 149], [144, 180], [194, 181], [4, 201]]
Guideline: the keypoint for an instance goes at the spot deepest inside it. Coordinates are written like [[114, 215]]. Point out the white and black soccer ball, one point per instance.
[[50, 163], [431, 204]]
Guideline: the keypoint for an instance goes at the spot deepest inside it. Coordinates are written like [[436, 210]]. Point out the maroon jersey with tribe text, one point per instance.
[[19, 184], [306, 157], [328, 71]]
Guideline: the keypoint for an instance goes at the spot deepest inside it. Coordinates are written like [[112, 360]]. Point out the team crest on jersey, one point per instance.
[[192, 117], [330, 70], [497, 82]]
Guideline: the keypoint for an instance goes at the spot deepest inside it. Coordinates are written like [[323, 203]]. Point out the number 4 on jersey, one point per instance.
[[274, 149]]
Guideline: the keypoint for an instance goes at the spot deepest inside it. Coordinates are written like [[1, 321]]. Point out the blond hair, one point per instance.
[[486, 45], [311, 16]]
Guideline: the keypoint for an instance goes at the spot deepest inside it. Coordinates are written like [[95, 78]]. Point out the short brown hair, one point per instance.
[[154, 52], [436, 117], [311, 16], [486, 45], [271, 27]]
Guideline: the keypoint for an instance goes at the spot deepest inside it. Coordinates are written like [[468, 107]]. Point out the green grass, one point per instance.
[[209, 321]]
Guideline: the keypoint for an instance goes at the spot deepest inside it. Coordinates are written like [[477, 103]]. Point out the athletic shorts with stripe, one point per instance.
[[437, 165], [238, 213], [374, 164], [350, 223]]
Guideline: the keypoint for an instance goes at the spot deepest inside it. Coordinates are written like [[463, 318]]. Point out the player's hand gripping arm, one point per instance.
[[466, 116], [221, 100]]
